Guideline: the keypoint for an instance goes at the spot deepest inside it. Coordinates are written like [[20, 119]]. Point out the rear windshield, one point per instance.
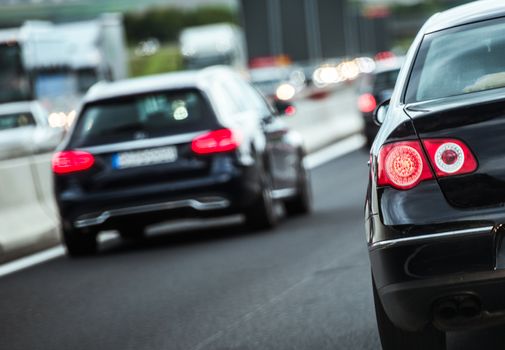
[[386, 80], [16, 120], [141, 117], [378, 82], [459, 61]]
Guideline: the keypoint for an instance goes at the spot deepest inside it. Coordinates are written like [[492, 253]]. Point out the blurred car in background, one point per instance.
[[279, 82], [24, 130], [374, 88], [191, 144]]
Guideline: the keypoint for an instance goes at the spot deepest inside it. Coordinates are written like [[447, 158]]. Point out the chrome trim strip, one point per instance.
[[283, 193], [146, 143], [219, 203], [429, 237]]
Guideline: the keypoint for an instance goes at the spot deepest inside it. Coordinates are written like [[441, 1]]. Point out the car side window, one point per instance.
[[16, 120]]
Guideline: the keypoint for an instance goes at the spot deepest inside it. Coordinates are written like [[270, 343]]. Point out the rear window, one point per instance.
[[16, 120], [459, 61], [142, 117], [386, 80]]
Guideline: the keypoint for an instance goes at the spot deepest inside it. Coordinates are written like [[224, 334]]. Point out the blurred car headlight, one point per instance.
[[61, 119], [285, 92], [366, 64]]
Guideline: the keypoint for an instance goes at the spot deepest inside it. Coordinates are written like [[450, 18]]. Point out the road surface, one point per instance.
[[304, 285]]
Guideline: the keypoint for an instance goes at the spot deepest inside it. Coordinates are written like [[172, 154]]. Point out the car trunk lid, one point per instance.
[[479, 121]]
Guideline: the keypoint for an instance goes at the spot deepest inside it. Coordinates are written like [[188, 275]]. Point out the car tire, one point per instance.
[[262, 214], [79, 243], [394, 338], [301, 203]]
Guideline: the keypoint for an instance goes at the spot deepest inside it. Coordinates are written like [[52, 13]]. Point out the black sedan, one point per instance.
[[435, 205], [172, 146]]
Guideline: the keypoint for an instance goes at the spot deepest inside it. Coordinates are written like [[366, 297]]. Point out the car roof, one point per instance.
[[17, 107], [473, 12], [154, 83], [389, 65]]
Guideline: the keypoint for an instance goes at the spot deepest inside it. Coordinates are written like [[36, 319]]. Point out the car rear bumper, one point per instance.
[[213, 195], [417, 276], [197, 204]]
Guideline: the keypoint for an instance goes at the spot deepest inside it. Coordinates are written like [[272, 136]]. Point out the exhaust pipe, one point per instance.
[[469, 307], [459, 308], [446, 309]]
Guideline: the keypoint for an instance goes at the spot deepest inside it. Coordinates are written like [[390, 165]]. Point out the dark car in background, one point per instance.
[[435, 204], [375, 88], [194, 144]]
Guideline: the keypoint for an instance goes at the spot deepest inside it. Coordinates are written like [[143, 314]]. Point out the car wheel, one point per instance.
[[302, 202], [80, 243], [262, 214], [394, 338]]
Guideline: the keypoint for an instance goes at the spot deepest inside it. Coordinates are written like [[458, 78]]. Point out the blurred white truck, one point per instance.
[[57, 63], [215, 44]]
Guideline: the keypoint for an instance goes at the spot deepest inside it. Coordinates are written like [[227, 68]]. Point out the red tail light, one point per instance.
[[67, 162], [402, 165], [367, 103], [216, 141], [450, 157]]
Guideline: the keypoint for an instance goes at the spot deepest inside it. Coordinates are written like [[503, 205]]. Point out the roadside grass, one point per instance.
[[167, 59]]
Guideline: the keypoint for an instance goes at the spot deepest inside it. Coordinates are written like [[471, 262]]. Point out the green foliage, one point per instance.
[[165, 23], [167, 59]]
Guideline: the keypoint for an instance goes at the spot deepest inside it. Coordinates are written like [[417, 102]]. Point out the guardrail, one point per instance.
[[28, 217]]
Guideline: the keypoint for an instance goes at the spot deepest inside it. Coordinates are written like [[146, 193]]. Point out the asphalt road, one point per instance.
[[305, 285]]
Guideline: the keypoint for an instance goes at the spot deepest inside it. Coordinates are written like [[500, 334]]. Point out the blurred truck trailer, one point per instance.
[[57, 63], [215, 44]]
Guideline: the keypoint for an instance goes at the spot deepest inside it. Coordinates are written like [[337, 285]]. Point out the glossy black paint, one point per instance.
[[268, 149], [412, 276]]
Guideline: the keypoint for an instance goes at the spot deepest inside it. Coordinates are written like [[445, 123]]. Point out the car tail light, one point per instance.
[[67, 162], [402, 165], [450, 157], [216, 141], [367, 103]]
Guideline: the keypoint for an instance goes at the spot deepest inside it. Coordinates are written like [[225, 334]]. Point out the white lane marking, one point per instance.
[[313, 160], [336, 150], [43, 256], [31, 260]]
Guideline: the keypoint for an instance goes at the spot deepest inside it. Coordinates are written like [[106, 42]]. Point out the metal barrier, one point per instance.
[[28, 219]]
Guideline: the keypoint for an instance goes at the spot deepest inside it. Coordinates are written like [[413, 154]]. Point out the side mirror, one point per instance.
[[379, 115], [284, 108]]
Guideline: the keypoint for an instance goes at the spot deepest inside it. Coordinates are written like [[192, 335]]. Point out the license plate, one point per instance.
[[144, 157]]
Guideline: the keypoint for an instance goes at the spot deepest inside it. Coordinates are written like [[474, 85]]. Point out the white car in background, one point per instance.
[[24, 130]]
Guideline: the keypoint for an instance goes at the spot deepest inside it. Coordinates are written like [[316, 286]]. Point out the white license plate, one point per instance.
[[144, 157]]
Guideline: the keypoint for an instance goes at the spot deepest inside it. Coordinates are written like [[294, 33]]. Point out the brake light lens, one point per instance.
[[67, 162], [450, 157], [402, 165], [367, 103], [216, 141]]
